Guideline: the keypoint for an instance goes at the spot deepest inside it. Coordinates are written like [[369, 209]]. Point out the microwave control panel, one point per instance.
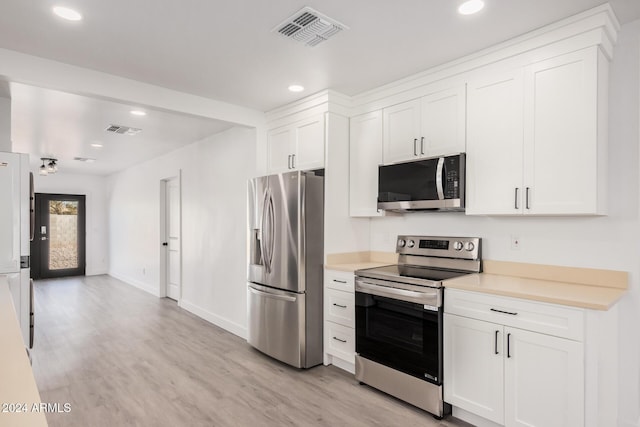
[[452, 177]]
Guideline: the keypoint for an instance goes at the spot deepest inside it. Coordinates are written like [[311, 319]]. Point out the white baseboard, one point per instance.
[[135, 283], [222, 322], [96, 272]]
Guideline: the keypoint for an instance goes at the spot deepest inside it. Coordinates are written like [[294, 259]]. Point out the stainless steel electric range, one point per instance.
[[399, 311]]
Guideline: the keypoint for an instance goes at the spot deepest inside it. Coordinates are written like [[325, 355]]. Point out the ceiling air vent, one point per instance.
[[310, 27], [84, 159], [123, 130]]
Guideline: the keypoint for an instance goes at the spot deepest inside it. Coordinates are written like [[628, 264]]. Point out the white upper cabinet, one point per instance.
[[299, 146], [561, 165], [536, 140], [309, 144], [401, 131], [443, 122], [494, 144], [426, 127], [365, 154]]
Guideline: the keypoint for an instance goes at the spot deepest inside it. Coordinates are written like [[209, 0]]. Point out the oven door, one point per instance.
[[403, 335]]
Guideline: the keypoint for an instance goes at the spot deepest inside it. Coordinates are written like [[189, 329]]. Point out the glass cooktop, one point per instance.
[[426, 276]]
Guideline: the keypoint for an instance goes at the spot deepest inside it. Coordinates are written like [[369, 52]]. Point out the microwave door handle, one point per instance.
[[439, 174]]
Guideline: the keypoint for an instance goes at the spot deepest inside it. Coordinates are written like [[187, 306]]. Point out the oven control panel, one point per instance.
[[446, 247]]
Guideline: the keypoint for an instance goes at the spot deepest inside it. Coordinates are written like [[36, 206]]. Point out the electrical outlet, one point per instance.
[[515, 243]]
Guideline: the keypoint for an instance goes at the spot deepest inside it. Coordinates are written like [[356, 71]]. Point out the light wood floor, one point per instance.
[[122, 357]]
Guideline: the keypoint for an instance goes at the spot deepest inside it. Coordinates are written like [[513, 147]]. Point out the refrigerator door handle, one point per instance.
[[271, 237], [263, 233]]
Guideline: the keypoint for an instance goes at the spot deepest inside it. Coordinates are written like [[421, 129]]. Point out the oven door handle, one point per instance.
[[430, 299]]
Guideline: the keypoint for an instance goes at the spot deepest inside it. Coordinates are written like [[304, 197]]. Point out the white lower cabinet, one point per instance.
[[339, 320], [507, 375]]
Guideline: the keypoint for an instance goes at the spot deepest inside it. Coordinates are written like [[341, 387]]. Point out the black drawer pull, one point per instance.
[[340, 281], [496, 342], [338, 305], [338, 339], [505, 312], [509, 345]]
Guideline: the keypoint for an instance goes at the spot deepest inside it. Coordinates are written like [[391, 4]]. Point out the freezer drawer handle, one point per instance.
[[338, 305], [340, 281], [274, 296], [338, 339]]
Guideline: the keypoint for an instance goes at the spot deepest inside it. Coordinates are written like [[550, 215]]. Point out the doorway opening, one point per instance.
[[59, 245], [171, 226]]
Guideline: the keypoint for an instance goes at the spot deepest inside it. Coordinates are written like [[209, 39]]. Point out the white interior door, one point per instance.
[[174, 259]]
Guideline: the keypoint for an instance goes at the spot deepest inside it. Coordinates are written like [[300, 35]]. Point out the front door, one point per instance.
[[58, 247]]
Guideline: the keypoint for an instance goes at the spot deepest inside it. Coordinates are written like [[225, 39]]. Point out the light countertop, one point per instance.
[[572, 294], [352, 261], [17, 384]]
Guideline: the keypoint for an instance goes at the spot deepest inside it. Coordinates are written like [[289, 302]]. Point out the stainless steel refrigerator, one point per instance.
[[284, 301]]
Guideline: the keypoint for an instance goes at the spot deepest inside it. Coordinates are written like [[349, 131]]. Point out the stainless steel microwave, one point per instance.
[[436, 183]]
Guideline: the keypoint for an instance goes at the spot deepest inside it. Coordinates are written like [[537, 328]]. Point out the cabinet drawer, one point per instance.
[[340, 307], [340, 280], [340, 341], [550, 319]]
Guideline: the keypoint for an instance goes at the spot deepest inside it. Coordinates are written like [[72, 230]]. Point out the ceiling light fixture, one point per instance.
[[66, 13], [49, 166], [138, 113], [470, 7], [296, 88], [96, 145]]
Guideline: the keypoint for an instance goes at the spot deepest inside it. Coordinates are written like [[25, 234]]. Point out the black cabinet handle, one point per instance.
[[338, 339], [526, 198], [511, 313], [496, 342], [415, 147], [338, 305], [509, 345], [422, 145], [339, 281], [165, 244], [516, 199]]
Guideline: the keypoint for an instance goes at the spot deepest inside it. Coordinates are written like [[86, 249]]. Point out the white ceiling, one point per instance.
[[48, 123], [225, 50]]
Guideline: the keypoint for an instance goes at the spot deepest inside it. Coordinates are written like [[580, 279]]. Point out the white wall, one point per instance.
[[611, 242], [5, 124], [214, 239], [94, 188]]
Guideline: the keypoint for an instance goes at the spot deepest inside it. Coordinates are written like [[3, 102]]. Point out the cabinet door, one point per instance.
[[10, 213], [310, 144], [544, 380], [561, 134], [281, 145], [365, 155], [495, 145], [401, 139], [473, 366], [443, 122]]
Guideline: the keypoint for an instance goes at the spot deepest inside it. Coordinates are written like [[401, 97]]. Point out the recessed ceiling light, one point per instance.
[[470, 7], [138, 113], [66, 13], [96, 145], [296, 88]]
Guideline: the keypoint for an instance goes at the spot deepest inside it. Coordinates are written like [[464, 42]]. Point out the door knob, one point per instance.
[[165, 244]]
